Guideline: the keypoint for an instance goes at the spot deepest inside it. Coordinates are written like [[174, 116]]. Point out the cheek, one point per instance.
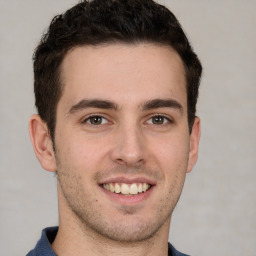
[[80, 154], [171, 152]]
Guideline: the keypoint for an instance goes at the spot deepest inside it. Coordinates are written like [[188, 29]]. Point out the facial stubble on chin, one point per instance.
[[89, 212]]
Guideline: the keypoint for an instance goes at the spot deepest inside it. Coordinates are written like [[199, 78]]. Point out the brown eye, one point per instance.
[[159, 120], [96, 120]]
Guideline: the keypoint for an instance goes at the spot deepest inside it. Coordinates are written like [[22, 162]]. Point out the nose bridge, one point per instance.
[[129, 148]]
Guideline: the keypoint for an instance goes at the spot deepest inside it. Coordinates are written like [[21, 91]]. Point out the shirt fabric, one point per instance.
[[43, 246]]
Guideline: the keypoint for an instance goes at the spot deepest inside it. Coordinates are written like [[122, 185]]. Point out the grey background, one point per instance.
[[217, 211]]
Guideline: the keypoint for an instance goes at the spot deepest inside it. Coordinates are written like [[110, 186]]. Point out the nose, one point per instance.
[[129, 147]]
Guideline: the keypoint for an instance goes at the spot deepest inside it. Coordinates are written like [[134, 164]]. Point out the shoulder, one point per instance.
[[43, 246], [173, 252]]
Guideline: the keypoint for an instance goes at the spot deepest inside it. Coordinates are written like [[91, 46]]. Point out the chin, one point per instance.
[[128, 228]]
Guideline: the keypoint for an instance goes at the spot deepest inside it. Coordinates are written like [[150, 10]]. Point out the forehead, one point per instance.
[[121, 72]]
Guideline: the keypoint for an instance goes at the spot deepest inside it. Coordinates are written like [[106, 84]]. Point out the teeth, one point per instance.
[[140, 188], [117, 188], [134, 189], [112, 188], [127, 189], [144, 187]]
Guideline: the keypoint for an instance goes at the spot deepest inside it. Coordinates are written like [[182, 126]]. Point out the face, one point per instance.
[[122, 141]]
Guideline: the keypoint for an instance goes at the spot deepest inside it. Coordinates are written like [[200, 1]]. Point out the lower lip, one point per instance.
[[128, 199]]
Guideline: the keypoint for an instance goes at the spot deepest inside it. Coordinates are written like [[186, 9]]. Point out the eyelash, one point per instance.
[[89, 118], [166, 121]]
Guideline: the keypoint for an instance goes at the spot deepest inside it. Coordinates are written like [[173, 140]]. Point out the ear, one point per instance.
[[42, 143], [194, 144]]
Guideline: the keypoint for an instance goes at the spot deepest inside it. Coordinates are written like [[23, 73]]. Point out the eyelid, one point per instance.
[[87, 118], [168, 118]]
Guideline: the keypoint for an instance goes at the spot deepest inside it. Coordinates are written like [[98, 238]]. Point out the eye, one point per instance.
[[95, 120], [159, 120]]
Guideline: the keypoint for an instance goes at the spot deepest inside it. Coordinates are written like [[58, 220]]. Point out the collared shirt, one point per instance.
[[43, 246]]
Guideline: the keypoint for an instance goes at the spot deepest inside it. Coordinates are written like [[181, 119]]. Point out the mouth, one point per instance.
[[126, 188]]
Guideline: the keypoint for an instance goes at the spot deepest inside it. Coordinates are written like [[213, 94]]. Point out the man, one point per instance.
[[116, 86]]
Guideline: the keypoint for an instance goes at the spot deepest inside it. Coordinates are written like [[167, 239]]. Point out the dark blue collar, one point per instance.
[[43, 246]]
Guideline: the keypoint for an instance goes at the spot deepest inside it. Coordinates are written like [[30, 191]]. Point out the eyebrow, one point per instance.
[[94, 103], [105, 104], [162, 103]]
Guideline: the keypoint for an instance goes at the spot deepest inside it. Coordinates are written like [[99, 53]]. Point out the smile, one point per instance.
[[127, 189]]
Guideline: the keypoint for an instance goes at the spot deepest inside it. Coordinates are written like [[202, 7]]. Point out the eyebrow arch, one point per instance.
[[162, 103], [93, 103]]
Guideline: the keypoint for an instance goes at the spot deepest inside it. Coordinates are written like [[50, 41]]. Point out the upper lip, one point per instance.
[[127, 180]]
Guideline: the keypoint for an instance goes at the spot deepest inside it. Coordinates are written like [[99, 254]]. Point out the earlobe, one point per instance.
[[194, 144], [42, 143]]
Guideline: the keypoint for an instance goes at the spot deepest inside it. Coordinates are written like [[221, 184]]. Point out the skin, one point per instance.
[[137, 93]]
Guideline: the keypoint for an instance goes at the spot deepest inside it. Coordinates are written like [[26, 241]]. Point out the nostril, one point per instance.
[[128, 163], [120, 161]]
